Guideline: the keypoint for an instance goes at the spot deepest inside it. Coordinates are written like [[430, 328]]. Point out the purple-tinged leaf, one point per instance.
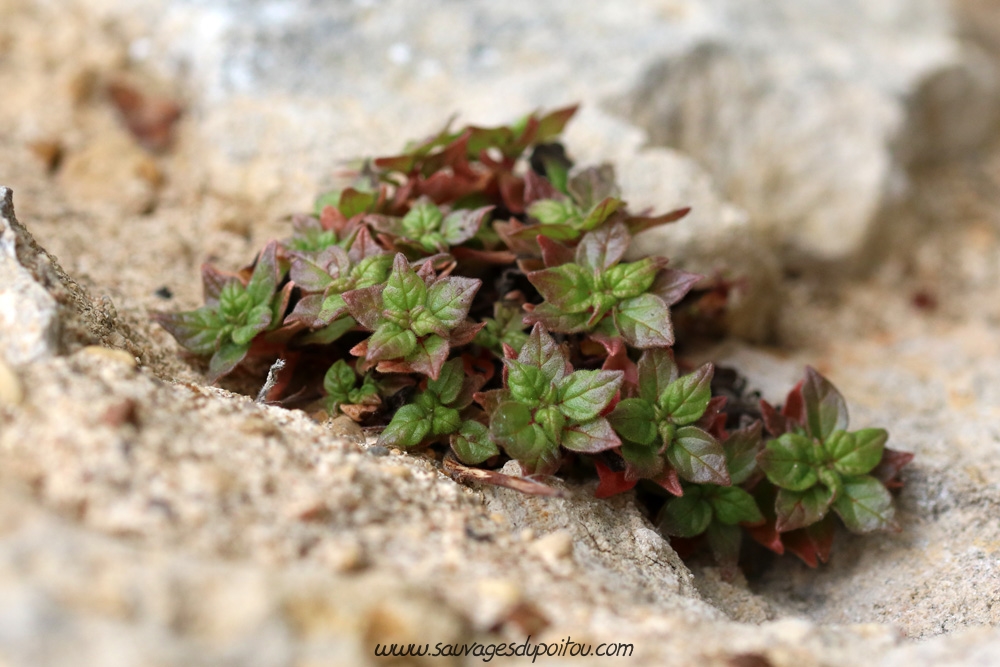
[[775, 422], [742, 448], [583, 395], [593, 186], [590, 437], [390, 342], [553, 253], [641, 223], [672, 285], [544, 353], [866, 506], [536, 188], [798, 509], [365, 306], [226, 358], [428, 357], [686, 399], [408, 428], [670, 482], [554, 319], [460, 226], [601, 249], [314, 273], [791, 462], [825, 409], [448, 299], [472, 444], [212, 281], [198, 330], [464, 333], [551, 124], [568, 287], [856, 453], [635, 420], [657, 371], [644, 322], [698, 457], [887, 471]]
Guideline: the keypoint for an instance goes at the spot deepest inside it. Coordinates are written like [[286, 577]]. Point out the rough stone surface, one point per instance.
[[146, 518]]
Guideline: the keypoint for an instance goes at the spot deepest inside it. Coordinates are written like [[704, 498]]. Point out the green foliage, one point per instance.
[[414, 287]]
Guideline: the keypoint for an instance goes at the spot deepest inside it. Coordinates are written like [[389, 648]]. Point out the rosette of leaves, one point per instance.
[[415, 317], [442, 412], [658, 425], [234, 314], [718, 512], [592, 290], [546, 405], [817, 464], [344, 392], [323, 277], [426, 229]]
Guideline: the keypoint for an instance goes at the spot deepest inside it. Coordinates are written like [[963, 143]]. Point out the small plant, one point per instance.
[[473, 293]]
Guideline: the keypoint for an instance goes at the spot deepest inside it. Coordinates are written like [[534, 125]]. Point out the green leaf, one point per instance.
[[404, 290], [590, 437], [632, 279], [391, 342], [554, 319], [331, 332], [445, 420], [856, 453], [831, 479], [371, 270], [600, 213], [644, 322], [583, 395], [657, 371], [527, 384], [353, 202], [635, 420], [568, 287], [686, 516], [448, 299], [422, 219], [865, 505], [742, 448], [552, 422], [257, 320], [408, 428], [339, 381], [733, 505], [512, 428], [593, 185], [686, 399], [428, 357], [472, 444], [825, 408], [790, 462], [698, 457], [449, 383], [798, 509], [554, 212]]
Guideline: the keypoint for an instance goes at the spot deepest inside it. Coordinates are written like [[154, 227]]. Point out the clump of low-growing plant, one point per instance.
[[473, 296]]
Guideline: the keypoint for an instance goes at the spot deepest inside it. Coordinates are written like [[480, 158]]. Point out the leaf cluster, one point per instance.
[[405, 302]]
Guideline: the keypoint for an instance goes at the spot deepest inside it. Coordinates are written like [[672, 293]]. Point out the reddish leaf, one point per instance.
[[612, 482], [672, 285], [887, 471], [637, 224], [768, 536], [670, 481], [811, 544]]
